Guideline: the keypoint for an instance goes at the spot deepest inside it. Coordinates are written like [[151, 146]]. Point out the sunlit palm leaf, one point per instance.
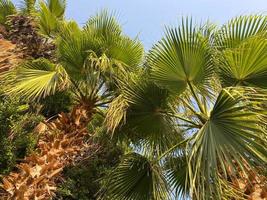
[[37, 79], [48, 22], [28, 6], [137, 178], [245, 65], [57, 7], [104, 24], [229, 142], [129, 52], [98, 47], [239, 29], [182, 56]]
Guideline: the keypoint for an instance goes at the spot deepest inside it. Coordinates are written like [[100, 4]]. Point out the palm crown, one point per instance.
[[208, 92]]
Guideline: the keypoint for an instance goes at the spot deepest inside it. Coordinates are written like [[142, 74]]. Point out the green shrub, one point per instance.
[[16, 132], [84, 180]]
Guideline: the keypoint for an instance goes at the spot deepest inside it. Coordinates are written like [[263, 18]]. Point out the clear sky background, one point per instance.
[[147, 18]]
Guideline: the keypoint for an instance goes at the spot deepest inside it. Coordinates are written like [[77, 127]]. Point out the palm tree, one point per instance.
[[195, 116], [48, 14], [193, 112], [89, 63]]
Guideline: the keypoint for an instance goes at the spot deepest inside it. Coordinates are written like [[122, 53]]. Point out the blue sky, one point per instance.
[[147, 18]]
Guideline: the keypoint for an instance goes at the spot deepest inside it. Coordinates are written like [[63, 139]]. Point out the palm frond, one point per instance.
[[6, 8], [50, 15], [177, 176], [137, 178], [28, 6], [239, 29], [143, 114], [228, 144], [245, 65], [57, 7], [182, 56], [47, 21], [104, 24], [36, 79], [129, 52]]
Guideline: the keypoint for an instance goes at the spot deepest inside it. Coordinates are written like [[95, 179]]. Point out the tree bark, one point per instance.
[[62, 142]]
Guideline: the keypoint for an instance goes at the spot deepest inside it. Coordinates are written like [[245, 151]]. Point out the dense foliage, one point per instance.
[[185, 120], [17, 137], [85, 180]]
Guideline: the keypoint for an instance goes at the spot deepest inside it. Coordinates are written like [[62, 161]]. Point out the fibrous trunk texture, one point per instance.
[[62, 143], [253, 185], [9, 56], [23, 31]]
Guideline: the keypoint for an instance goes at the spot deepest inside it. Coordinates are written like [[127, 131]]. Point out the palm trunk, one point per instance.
[[9, 56], [250, 185], [253, 185], [62, 143]]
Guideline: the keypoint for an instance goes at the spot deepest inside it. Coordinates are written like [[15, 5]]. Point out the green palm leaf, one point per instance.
[[177, 175], [28, 6], [6, 8], [98, 47], [57, 7], [239, 29], [104, 24], [143, 114], [245, 65], [48, 22], [137, 178], [230, 142], [182, 56], [50, 15], [37, 79], [129, 52]]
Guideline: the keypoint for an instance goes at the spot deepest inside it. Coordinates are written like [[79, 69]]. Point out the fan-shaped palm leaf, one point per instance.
[[57, 7], [182, 56], [143, 114], [177, 175], [97, 46], [229, 142], [50, 15], [239, 29], [245, 65], [104, 24], [47, 21], [137, 178], [37, 79]]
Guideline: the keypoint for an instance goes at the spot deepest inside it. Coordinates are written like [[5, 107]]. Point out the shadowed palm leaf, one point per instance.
[[137, 178], [143, 114]]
